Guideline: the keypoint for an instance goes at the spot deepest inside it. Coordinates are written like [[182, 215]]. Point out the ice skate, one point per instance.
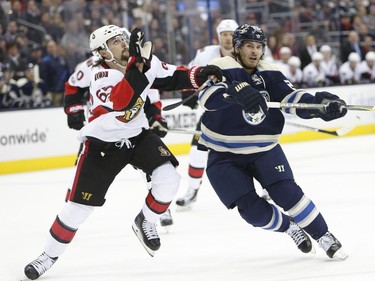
[[301, 239], [332, 246], [40, 265], [185, 203], [146, 233], [166, 219]]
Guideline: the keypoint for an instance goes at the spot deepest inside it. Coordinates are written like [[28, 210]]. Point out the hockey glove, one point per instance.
[[206, 72], [158, 125], [193, 102], [249, 98], [141, 52], [76, 116], [334, 106]]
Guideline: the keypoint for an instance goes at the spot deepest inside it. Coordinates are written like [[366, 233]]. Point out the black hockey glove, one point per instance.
[[76, 116], [205, 72], [158, 125], [335, 107], [142, 52], [193, 102], [249, 98]]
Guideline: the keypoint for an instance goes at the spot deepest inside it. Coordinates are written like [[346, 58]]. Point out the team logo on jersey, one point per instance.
[[256, 79], [133, 112], [163, 151]]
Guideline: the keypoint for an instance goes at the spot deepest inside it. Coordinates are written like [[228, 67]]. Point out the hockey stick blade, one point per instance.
[[282, 105], [338, 133], [177, 104]]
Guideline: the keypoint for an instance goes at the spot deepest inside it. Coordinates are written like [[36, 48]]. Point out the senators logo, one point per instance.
[[131, 113], [163, 151]]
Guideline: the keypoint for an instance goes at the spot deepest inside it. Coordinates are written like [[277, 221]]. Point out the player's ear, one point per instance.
[[104, 54]]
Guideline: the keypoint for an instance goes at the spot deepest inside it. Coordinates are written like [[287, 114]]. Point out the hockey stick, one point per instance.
[[282, 105], [174, 105], [339, 132], [184, 131]]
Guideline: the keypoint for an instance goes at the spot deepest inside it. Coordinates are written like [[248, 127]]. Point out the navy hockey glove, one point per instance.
[[249, 98], [335, 107], [158, 125], [205, 72], [76, 116]]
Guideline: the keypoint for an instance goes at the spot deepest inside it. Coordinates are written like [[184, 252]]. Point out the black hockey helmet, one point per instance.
[[247, 32]]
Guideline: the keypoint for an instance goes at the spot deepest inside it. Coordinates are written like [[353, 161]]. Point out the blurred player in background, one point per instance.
[[198, 158]]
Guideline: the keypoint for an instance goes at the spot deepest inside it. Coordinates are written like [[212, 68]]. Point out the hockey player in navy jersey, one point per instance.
[[117, 134], [242, 136]]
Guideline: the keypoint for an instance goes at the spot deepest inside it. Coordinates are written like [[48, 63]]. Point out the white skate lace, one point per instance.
[[42, 263], [149, 230], [296, 233], [326, 241], [121, 143]]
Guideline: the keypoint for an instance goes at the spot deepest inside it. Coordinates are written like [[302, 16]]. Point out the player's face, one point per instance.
[[226, 40], [119, 49], [250, 53]]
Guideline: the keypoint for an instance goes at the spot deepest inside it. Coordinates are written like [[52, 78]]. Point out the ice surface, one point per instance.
[[206, 243]]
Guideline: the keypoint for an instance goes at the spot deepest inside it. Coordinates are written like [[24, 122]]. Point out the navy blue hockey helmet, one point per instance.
[[248, 32]]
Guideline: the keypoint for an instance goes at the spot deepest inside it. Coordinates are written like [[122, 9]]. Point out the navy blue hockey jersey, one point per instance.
[[226, 128]]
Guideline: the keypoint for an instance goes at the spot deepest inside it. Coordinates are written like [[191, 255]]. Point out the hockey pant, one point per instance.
[[288, 196]]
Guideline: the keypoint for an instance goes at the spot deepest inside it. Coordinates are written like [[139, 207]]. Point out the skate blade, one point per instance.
[[183, 208], [313, 251], [340, 255], [138, 233]]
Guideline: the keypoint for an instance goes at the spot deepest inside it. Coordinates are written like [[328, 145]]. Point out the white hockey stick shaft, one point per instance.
[[184, 131], [282, 105]]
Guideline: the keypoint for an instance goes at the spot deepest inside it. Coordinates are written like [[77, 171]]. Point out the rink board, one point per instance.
[[33, 140]]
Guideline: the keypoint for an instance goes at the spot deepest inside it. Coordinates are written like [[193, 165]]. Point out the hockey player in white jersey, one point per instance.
[[76, 99], [242, 136], [117, 134], [198, 158]]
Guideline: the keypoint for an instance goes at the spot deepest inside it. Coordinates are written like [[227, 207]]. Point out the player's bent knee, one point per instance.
[[253, 209], [165, 182], [285, 193], [74, 214]]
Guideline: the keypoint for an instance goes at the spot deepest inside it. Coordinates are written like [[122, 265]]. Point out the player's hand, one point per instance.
[[158, 125], [209, 72], [334, 106], [142, 52], [249, 98], [76, 116]]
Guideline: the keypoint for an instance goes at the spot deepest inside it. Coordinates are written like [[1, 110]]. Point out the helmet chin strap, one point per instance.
[[112, 59]]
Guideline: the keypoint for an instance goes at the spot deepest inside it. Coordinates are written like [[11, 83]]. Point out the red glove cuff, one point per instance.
[[193, 76]]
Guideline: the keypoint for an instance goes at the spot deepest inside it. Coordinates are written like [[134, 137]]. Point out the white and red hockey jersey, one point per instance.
[[116, 110]]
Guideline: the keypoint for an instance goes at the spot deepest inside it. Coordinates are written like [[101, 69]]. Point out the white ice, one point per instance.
[[207, 243]]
